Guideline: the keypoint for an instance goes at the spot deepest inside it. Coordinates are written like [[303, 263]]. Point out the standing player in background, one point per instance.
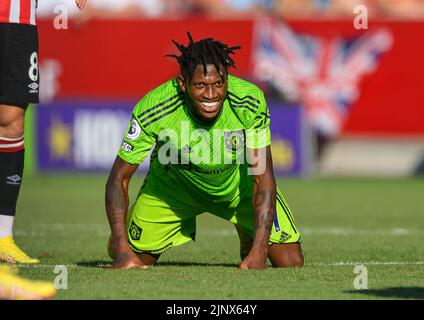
[[19, 86], [182, 117]]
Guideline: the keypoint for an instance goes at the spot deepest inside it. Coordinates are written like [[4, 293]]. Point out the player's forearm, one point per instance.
[[264, 198], [264, 211], [116, 208]]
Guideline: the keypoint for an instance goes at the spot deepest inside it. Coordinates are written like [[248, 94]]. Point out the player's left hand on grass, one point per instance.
[[80, 3]]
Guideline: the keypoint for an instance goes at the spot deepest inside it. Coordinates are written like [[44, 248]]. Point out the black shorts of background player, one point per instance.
[[19, 86]]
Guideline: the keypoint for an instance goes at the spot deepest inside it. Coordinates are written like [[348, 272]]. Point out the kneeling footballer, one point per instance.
[[210, 135]]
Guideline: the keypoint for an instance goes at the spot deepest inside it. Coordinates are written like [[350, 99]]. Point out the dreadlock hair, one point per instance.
[[204, 52]]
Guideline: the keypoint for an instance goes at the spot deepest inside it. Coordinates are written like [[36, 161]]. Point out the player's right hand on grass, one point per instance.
[[256, 259], [252, 264], [123, 257], [127, 260]]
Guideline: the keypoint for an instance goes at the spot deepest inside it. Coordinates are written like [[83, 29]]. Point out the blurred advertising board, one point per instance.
[[80, 136], [87, 136], [292, 146]]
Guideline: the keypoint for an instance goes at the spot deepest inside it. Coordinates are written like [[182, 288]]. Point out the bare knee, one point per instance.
[[286, 255], [12, 120], [148, 258], [296, 261]]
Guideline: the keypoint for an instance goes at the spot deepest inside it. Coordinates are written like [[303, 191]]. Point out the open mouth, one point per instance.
[[210, 107]]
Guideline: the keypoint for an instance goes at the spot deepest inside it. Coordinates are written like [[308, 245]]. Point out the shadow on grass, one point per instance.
[[396, 292], [106, 264], [195, 264]]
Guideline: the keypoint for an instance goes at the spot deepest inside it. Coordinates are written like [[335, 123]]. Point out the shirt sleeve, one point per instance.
[[136, 144], [258, 133]]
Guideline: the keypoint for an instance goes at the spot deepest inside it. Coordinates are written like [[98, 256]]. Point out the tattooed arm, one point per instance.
[[264, 194], [116, 201]]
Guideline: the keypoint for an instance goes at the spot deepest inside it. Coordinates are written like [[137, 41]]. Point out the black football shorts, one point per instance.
[[19, 73]]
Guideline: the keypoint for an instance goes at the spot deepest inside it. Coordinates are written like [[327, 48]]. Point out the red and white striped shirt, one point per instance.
[[18, 11]]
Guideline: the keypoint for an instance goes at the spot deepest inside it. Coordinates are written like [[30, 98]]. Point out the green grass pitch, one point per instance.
[[344, 222]]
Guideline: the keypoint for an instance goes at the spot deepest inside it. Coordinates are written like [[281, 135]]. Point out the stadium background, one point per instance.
[[346, 110], [94, 71]]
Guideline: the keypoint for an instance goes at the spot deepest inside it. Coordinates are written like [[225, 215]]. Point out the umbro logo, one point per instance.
[[15, 180], [33, 86]]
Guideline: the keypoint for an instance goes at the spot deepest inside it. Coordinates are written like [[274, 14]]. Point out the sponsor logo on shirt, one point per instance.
[[197, 149]]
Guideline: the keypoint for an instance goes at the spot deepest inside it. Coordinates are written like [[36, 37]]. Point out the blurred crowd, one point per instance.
[[235, 9]]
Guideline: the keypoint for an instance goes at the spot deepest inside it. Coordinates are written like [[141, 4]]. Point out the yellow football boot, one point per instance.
[[14, 287], [11, 253]]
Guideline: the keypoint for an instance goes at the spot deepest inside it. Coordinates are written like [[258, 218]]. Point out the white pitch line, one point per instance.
[[358, 232], [336, 231], [374, 263], [102, 230], [52, 266]]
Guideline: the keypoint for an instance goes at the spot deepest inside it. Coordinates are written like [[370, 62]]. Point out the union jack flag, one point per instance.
[[323, 74]]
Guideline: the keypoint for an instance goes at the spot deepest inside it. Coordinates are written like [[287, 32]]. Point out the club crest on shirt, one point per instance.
[[234, 140], [134, 131]]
